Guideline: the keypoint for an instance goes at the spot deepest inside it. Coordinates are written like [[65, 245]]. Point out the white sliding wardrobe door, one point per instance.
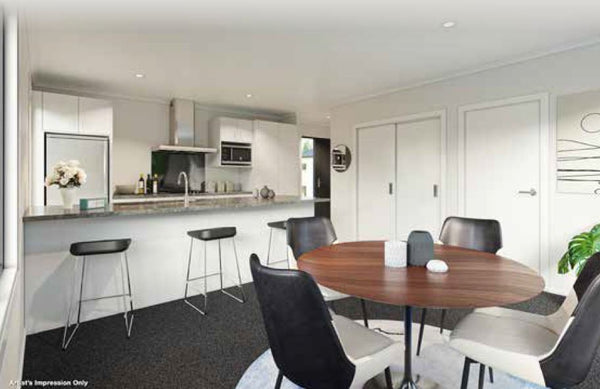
[[502, 174], [418, 146], [376, 171]]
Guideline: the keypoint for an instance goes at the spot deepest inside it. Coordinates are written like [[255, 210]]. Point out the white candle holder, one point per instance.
[[395, 253]]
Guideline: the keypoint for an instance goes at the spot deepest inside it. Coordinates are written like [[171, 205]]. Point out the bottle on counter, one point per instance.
[[155, 184], [148, 189], [141, 184]]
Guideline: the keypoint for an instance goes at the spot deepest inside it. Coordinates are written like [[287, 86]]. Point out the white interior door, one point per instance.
[[376, 174], [502, 173], [418, 176]]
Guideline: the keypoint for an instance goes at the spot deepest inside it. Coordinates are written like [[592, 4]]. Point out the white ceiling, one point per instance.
[[294, 55]]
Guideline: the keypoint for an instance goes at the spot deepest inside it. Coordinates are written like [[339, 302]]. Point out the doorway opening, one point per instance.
[[316, 172]]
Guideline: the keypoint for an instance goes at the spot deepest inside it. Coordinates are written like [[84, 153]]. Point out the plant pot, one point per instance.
[[68, 197]]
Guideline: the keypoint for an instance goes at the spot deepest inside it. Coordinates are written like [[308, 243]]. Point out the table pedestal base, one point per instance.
[[408, 382], [419, 383]]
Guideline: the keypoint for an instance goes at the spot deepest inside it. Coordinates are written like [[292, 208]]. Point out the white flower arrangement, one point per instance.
[[67, 175]]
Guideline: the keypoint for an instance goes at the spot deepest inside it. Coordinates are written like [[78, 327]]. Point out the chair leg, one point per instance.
[[442, 321], [388, 379], [239, 275], [67, 340], [363, 306], [128, 322], [491, 374], [481, 376], [421, 330], [465, 376], [188, 280], [279, 379]]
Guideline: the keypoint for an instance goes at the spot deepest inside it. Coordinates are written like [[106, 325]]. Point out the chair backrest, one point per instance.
[[308, 233], [303, 341], [570, 362], [475, 234]]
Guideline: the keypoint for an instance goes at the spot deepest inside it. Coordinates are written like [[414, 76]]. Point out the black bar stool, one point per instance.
[[279, 225], [207, 235], [83, 250]]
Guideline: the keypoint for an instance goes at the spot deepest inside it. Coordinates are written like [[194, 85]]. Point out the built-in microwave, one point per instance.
[[236, 154]]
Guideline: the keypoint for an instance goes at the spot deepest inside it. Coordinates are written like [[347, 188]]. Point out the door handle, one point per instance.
[[530, 192], [391, 188], [435, 191], [318, 182]]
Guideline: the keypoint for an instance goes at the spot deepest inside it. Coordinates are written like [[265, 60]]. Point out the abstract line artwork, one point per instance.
[[578, 143]]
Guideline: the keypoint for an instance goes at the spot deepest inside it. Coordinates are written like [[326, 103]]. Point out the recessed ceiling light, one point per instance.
[[448, 24], [139, 75], [248, 95], [327, 117]]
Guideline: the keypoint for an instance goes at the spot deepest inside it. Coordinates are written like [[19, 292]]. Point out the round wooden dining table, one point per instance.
[[474, 279]]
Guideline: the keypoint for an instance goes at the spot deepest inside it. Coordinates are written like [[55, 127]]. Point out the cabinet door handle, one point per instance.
[[530, 192], [391, 188], [435, 190]]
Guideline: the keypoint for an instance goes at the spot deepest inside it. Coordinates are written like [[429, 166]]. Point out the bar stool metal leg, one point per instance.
[[287, 254], [269, 248], [67, 340], [188, 280], [237, 264], [128, 316]]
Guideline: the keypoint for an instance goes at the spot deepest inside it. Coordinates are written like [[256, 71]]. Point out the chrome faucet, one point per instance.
[[186, 196]]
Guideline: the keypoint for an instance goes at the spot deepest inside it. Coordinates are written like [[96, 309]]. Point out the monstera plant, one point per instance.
[[581, 247]]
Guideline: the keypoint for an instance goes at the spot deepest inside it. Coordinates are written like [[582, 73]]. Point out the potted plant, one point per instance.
[[581, 247], [68, 176]]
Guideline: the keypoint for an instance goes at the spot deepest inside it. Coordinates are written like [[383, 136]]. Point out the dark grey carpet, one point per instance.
[[172, 346]]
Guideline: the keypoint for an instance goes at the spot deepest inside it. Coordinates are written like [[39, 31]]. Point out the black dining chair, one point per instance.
[[312, 347], [475, 234], [553, 351], [309, 233]]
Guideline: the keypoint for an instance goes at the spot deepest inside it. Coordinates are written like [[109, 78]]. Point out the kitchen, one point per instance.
[[212, 165]]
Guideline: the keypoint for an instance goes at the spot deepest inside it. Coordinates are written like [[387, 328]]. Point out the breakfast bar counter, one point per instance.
[[163, 207], [157, 256]]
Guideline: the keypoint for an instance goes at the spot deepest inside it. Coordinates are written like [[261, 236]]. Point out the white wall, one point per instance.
[[314, 130], [18, 88], [564, 73]]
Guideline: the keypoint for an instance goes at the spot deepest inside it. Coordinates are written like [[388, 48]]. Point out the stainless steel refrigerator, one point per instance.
[[92, 152]]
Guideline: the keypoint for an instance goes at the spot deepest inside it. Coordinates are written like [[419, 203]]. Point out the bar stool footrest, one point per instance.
[[202, 277], [276, 262]]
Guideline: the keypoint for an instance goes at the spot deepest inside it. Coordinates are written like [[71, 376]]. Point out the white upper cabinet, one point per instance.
[[276, 157], [53, 112], [59, 113], [245, 131], [231, 130], [288, 160], [95, 116], [228, 130], [265, 152]]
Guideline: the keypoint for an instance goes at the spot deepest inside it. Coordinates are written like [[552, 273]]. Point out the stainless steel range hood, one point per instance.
[[181, 132]]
